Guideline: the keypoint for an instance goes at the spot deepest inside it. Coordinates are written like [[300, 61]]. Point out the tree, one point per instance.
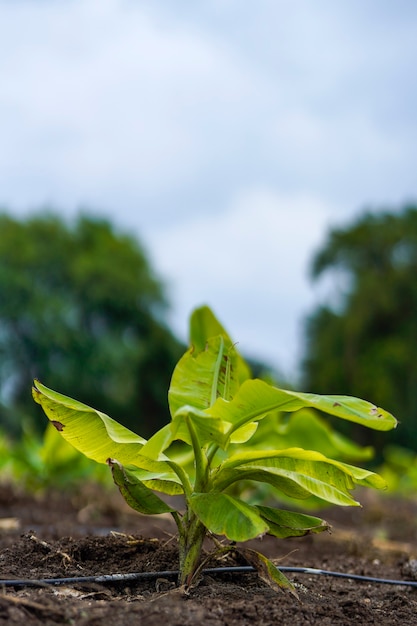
[[81, 309], [364, 342]]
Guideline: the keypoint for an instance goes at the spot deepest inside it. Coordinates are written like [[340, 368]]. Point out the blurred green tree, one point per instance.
[[364, 342], [81, 309]]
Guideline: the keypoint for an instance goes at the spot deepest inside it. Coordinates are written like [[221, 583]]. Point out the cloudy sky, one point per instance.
[[228, 135]]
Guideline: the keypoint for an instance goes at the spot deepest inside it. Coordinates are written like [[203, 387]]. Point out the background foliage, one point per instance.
[[81, 308], [363, 342]]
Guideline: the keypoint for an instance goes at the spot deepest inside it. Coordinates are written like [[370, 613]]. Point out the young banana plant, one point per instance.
[[215, 409]]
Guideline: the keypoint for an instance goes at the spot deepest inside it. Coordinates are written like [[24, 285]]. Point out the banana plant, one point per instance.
[[215, 410]]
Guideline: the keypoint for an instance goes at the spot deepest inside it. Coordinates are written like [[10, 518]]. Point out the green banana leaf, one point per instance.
[[199, 378], [298, 473], [95, 434], [285, 524], [225, 515], [137, 495], [90, 431], [256, 399], [203, 326], [307, 429]]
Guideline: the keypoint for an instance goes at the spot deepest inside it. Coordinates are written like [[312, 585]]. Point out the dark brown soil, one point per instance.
[[92, 534]]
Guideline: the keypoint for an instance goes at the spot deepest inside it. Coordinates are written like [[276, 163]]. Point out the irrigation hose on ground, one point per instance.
[[123, 578]]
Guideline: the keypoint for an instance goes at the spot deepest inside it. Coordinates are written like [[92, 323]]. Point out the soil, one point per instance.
[[93, 533]]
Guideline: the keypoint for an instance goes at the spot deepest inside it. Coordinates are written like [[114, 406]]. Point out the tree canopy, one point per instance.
[[81, 308], [364, 341]]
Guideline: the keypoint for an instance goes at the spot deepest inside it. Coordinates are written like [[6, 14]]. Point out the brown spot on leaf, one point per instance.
[[58, 425], [336, 404]]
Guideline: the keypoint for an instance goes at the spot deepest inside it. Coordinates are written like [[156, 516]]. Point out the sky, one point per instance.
[[228, 136]]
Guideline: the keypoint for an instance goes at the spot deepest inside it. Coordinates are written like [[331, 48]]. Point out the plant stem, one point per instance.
[[190, 547], [211, 452], [200, 461], [188, 489]]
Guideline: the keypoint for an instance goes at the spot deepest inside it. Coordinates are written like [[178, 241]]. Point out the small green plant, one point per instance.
[[215, 410], [399, 469], [36, 463]]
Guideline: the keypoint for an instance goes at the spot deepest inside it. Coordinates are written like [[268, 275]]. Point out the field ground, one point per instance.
[[94, 533]]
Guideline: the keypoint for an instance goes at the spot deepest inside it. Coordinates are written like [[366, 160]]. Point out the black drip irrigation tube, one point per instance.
[[244, 569]]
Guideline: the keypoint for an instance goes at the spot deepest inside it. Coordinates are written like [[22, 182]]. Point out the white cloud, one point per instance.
[[142, 107], [104, 96]]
